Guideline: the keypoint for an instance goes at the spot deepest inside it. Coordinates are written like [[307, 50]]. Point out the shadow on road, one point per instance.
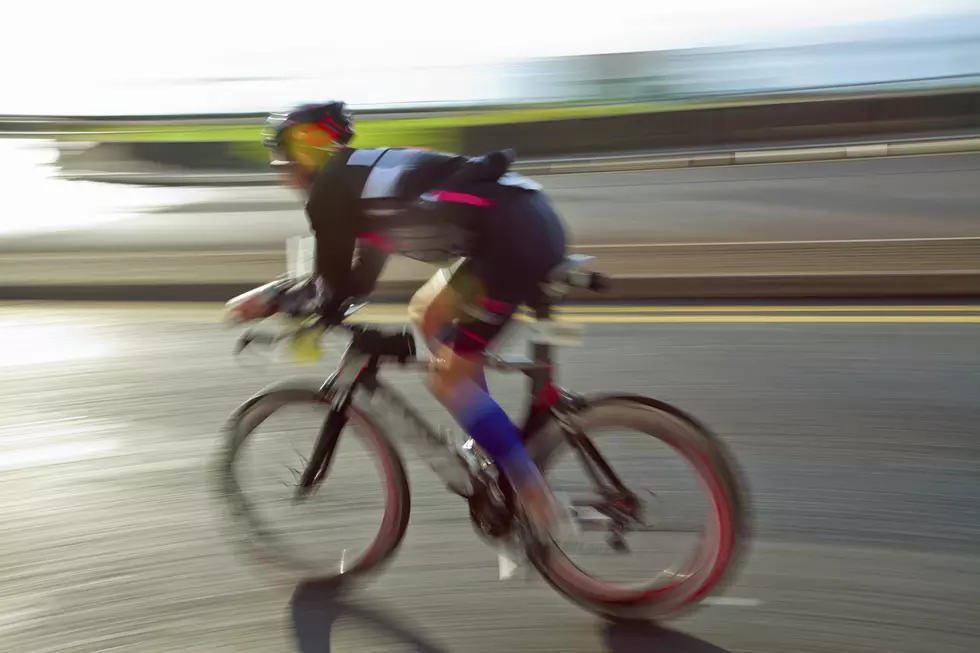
[[316, 607], [653, 639]]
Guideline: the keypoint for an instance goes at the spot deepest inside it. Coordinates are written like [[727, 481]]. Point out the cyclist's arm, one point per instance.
[[333, 214], [367, 268]]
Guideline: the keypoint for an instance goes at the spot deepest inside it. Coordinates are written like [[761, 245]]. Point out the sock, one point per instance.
[[486, 422]]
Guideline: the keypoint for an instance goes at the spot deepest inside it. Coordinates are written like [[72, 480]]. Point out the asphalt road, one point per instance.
[[912, 197], [857, 431]]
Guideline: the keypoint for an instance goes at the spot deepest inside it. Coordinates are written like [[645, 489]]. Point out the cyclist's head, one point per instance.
[[305, 137]]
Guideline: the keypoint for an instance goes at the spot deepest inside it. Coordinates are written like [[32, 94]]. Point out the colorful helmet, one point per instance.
[[308, 134]]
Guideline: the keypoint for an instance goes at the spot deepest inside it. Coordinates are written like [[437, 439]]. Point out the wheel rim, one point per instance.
[[701, 571], [262, 539]]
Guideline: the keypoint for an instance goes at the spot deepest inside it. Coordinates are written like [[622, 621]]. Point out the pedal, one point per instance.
[[474, 456], [509, 561]]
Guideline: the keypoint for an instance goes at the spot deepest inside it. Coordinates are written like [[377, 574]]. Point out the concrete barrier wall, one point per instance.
[[786, 123], [719, 127]]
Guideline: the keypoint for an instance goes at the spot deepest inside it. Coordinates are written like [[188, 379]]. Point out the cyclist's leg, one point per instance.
[[477, 304], [439, 320], [459, 325]]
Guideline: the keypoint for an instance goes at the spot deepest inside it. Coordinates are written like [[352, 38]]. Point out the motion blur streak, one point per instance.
[[814, 143], [859, 441]]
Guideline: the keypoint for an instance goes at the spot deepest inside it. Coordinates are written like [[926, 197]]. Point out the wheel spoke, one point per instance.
[[269, 542], [617, 513]]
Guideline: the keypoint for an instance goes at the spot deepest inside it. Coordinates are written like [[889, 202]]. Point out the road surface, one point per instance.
[[857, 429], [914, 197]]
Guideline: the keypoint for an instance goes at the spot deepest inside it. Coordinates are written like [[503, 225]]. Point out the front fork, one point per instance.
[[618, 503], [549, 401], [326, 444]]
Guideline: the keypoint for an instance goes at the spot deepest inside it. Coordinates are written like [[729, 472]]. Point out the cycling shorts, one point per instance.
[[523, 242]]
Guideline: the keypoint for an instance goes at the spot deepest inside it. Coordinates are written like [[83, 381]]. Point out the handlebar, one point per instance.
[[367, 339], [324, 322]]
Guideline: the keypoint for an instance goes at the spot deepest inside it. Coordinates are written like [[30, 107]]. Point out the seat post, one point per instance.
[[541, 352]]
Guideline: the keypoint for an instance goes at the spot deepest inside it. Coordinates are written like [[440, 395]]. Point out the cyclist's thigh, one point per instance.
[[428, 292], [485, 307], [525, 241]]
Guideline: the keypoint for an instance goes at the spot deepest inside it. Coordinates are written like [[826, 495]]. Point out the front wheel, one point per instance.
[[619, 512], [261, 537]]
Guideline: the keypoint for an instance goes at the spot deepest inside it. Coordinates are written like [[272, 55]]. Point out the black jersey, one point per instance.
[[381, 202]]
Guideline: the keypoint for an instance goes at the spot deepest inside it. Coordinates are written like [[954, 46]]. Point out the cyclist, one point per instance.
[[435, 207]]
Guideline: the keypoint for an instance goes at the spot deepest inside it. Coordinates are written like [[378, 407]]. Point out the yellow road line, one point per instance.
[[766, 309], [216, 307], [718, 319], [759, 319]]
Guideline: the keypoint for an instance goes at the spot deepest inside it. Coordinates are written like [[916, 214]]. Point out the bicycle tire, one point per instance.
[[250, 414], [711, 457]]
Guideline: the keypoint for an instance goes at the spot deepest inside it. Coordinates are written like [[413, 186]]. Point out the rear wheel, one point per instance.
[[621, 512], [260, 536]]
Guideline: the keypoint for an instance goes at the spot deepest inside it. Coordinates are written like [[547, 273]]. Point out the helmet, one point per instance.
[[308, 134]]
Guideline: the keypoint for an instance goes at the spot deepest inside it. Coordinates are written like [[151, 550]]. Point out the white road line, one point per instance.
[[732, 601], [48, 455]]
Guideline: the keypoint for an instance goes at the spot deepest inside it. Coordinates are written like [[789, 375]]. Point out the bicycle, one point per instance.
[[556, 418]]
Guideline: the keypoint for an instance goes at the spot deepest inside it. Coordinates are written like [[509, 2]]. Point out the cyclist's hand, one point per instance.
[[255, 304], [256, 308], [252, 308]]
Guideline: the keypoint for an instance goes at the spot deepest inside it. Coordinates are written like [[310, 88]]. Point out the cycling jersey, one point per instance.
[[436, 207], [406, 201]]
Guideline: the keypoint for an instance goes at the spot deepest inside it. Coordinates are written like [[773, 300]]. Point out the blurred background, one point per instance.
[[785, 195], [103, 58]]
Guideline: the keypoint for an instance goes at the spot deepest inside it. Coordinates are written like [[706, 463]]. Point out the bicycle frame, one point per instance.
[[554, 417], [358, 372]]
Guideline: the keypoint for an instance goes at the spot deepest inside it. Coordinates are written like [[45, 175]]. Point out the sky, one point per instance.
[[67, 49]]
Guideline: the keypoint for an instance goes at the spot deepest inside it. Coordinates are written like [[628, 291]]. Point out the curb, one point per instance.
[[623, 163], [948, 267], [757, 156]]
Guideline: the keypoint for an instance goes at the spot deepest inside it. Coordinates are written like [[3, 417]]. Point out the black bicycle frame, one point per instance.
[[547, 400]]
